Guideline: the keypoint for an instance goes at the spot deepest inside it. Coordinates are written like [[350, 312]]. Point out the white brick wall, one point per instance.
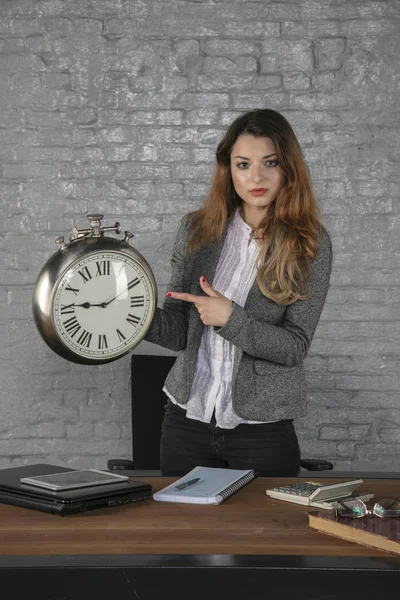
[[118, 108]]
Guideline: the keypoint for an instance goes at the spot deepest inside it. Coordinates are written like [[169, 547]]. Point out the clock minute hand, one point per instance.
[[116, 296]]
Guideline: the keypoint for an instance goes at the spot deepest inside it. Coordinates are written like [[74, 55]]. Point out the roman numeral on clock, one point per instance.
[[133, 283], [72, 326], [103, 267], [103, 341], [121, 336], [137, 301], [133, 320], [85, 338], [85, 273], [67, 309], [71, 289]]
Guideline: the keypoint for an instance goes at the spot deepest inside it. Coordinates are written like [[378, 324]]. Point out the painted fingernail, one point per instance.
[[203, 278], [169, 294]]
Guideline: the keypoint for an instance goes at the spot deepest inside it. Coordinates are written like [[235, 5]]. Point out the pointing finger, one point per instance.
[[182, 296]]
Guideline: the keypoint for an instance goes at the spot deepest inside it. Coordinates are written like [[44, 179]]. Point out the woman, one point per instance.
[[250, 273]]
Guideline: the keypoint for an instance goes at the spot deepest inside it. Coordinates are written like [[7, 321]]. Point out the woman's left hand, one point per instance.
[[214, 308]]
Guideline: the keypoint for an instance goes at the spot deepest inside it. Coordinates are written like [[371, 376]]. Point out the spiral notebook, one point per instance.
[[206, 485]]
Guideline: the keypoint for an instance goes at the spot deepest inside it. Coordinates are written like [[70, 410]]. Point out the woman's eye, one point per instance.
[[268, 163]]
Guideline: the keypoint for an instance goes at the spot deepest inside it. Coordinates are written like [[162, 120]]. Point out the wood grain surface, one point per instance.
[[250, 522]]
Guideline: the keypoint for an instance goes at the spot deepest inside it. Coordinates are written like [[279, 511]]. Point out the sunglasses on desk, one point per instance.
[[388, 508]]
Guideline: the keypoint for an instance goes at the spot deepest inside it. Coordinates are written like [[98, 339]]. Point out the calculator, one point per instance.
[[315, 493]]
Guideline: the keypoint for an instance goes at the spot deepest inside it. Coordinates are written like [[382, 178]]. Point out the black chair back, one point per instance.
[[148, 374]]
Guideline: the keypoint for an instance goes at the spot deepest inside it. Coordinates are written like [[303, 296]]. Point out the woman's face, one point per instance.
[[256, 174]]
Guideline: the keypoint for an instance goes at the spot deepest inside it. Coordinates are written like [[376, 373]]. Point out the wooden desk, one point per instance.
[[250, 545]]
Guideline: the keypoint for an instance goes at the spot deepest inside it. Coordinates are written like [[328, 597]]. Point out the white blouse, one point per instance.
[[211, 387]]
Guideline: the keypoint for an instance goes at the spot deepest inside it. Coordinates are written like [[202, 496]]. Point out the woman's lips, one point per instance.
[[258, 192]]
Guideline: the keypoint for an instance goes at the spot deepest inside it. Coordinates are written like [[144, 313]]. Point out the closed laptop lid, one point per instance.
[[10, 483]]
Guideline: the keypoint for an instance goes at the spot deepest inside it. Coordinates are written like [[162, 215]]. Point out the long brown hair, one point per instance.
[[288, 235]]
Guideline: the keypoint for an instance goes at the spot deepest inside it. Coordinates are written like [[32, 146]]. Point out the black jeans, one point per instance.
[[270, 448]]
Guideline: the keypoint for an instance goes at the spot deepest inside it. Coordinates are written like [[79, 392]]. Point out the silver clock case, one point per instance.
[[53, 272]]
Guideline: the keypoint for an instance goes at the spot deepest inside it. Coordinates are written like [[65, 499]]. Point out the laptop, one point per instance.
[[67, 502]]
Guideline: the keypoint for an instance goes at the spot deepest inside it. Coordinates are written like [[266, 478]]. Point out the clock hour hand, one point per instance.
[[89, 305]]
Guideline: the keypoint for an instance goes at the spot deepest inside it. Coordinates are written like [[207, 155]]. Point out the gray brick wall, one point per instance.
[[117, 106]]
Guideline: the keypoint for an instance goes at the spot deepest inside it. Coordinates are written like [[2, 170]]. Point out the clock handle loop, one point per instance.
[[95, 231], [116, 228], [60, 241], [128, 236]]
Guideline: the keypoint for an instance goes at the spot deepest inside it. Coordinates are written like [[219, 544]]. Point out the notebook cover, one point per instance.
[[215, 485], [371, 530], [12, 491]]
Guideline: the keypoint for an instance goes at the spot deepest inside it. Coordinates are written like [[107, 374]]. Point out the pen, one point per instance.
[[186, 484]]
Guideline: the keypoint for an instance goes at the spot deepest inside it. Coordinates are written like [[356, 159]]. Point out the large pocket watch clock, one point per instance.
[[95, 297]]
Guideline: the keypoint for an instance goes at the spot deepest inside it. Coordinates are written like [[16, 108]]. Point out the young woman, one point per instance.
[[250, 273]]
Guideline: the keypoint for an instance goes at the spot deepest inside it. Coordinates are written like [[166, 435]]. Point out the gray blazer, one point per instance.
[[271, 340]]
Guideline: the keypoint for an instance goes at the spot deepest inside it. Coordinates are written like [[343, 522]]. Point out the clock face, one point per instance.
[[102, 304]]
